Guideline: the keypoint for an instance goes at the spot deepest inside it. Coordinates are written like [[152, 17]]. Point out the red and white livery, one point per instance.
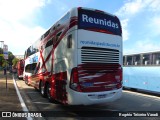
[[20, 68], [79, 59]]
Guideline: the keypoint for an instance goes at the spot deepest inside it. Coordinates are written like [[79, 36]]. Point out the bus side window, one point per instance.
[[69, 41], [49, 43], [37, 68], [58, 35]]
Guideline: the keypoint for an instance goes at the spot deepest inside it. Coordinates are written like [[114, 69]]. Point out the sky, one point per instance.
[[23, 21]]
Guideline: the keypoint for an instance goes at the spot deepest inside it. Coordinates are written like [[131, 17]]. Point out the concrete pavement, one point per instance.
[[8, 97], [9, 100]]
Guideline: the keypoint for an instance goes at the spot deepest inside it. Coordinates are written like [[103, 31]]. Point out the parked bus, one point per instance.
[[141, 71], [79, 59], [20, 68]]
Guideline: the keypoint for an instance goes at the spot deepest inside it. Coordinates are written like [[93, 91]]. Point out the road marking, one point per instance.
[[21, 99]]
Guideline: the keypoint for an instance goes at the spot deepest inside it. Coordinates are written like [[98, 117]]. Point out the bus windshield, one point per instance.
[[98, 21]]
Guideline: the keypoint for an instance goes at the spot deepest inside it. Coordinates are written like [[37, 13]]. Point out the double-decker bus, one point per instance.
[[20, 68], [79, 59], [141, 71]]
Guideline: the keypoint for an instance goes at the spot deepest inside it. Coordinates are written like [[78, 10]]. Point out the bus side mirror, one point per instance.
[[69, 41]]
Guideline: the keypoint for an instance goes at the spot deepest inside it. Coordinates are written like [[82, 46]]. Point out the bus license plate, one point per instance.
[[101, 96]]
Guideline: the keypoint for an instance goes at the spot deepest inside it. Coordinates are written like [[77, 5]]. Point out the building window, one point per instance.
[[146, 59], [156, 58], [129, 60]]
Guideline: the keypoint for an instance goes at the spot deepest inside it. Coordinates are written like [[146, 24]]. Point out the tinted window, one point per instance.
[[49, 43], [146, 59], [156, 58], [29, 51], [69, 41], [58, 35], [136, 60], [45, 35], [124, 63], [129, 60], [37, 68], [30, 67]]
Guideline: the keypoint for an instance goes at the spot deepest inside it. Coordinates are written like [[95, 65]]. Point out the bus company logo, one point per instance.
[[103, 22]]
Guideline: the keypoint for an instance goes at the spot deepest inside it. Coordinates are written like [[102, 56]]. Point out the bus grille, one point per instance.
[[98, 69], [99, 55]]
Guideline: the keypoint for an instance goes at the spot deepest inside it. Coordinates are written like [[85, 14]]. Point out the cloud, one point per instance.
[[19, 20], [130, 8], [17, 26], [62, 6], [154, 5], [134, 9], [13, 10], [18, 36], [153, 25], [125, 32], [125, 13], [142, 46]]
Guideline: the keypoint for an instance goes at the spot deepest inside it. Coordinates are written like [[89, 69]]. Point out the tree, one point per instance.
[[1, 57], [14, 61], [10, 57], [5, 63]]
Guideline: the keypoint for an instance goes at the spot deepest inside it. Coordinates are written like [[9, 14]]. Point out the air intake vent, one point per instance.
[[99, 55]]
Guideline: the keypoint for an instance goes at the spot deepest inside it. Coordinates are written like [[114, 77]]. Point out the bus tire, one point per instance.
[[42, 89], [26, 81], [49, 93]]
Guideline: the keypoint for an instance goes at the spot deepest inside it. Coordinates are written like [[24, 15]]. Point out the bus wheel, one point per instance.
[[42, 89], [49, 93], [26, 81]]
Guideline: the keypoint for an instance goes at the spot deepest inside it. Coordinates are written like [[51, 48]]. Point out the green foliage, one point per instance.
[[10, 57], [5, 63], [14, 61], [1, 51]]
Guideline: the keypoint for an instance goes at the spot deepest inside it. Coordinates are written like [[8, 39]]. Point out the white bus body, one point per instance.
[[79, 59]]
